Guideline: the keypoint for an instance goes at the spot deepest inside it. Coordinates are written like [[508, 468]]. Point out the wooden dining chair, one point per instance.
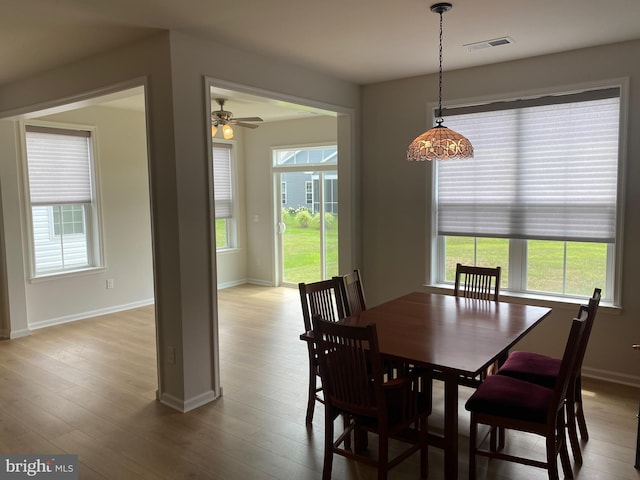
[[352, 293], [354, 387], [323, 298], [482, 283], [544, 370], [477, 282], [507, 403]]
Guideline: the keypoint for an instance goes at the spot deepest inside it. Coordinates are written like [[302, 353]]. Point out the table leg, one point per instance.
[[451, 427], [637, 465]]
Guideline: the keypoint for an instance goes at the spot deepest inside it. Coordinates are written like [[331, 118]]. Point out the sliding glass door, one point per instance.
[[306, 182]]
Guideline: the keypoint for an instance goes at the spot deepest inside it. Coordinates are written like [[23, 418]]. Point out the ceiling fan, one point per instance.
[[223, 118]]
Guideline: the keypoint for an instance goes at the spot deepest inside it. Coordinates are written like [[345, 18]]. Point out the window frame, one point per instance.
[[517, 248], [92, 211]]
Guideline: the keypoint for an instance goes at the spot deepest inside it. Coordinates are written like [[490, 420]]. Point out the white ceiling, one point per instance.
[[362, 41]]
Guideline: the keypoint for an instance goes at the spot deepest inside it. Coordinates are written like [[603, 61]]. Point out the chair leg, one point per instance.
[[637, 465], [561, 440], [552, 457], [582, 424], [383, 455], [571, 427], [424, 449], [501, 438], [311, 402], [346, 420], [493, 439], [473, 433], [328, 444]]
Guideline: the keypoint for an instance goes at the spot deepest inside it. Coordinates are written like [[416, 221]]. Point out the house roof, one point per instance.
[[363, 41]]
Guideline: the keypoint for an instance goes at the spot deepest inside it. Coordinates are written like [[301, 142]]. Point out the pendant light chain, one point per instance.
[[439, 142], [439, 120]]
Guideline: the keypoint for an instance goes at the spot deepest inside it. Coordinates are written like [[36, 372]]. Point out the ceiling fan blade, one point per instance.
[[248, 119], [242, 124]]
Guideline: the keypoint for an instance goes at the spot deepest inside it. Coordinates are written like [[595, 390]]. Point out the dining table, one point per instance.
[[455, 336]]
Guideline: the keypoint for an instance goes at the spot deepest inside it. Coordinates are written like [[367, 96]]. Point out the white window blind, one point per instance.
[[59, 166], [222, 180], [543, 169]]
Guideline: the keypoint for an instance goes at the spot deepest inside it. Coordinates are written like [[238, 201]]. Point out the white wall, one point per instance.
[[126, 220], [396, 224]]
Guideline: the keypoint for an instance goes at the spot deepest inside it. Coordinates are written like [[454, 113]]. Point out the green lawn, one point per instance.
[[302, 254], [586, 262]]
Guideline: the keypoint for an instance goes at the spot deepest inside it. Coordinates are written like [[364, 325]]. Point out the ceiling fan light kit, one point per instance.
[[225, 119], [440, 142]]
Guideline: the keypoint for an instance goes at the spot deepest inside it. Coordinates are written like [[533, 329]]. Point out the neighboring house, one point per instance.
[[301, 189]]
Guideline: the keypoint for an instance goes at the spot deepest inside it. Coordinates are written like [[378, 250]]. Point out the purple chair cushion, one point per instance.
[[509, 397], [532, 367]]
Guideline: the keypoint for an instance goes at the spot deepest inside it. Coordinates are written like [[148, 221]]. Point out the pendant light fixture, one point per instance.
[[440, 142]]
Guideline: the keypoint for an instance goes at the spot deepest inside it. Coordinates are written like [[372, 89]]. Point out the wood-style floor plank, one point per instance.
[[88, 388]]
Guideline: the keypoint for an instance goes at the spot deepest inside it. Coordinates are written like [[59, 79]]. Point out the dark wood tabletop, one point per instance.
[[460, 335]]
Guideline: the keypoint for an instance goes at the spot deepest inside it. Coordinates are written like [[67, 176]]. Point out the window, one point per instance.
[[68, 219], [223, 194], [540, 196], [64, 219], [308, 188], [283, 192]]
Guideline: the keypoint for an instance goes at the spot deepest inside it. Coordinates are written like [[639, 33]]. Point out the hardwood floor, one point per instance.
[[88, 388]]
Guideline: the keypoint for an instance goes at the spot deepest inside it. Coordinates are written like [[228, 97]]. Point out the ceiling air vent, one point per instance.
[[496, 42]]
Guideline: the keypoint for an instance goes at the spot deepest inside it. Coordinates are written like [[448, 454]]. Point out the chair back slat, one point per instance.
[[349, 366], [352, 293], [323, 298], [477, 282]]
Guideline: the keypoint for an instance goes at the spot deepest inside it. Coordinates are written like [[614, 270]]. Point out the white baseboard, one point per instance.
[[89, 314], [263, 283], [185, 406], [6, 333], [16, 333], [235, 283], [251, 281], [609, 376]]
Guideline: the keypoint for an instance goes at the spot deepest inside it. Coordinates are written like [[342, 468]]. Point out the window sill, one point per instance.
[[66, 274], [227, 251], [560, 303]]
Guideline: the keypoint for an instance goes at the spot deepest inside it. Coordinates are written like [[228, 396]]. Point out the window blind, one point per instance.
[[542, 170], [222, 180], [59, 166]]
